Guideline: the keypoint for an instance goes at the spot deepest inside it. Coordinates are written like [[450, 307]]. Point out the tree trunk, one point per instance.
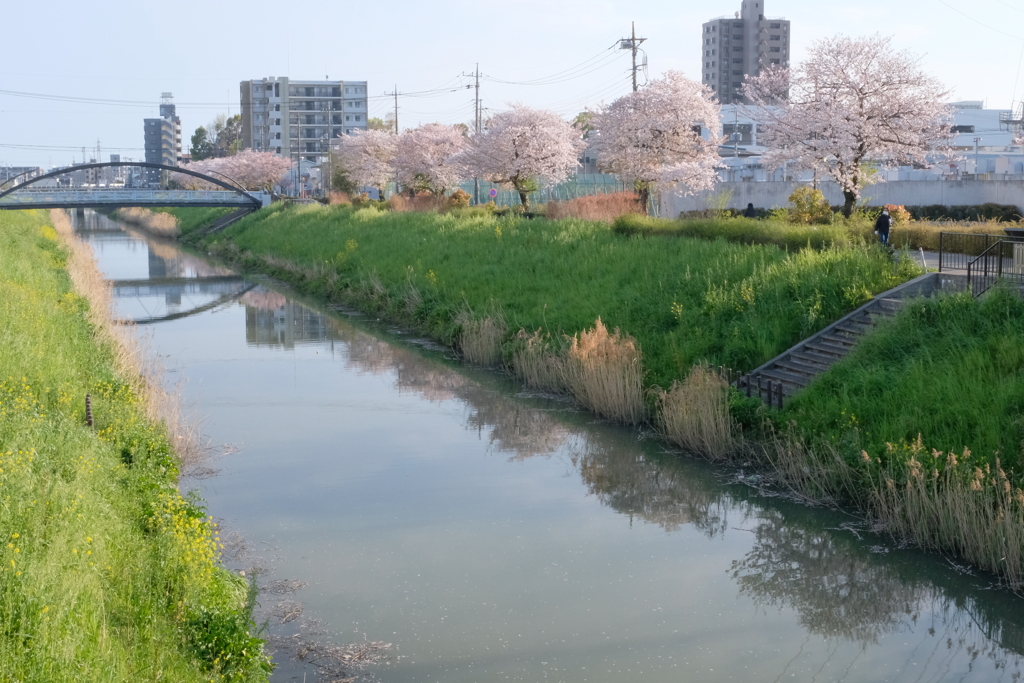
[[644, 192], [524, 197], [851, 200]]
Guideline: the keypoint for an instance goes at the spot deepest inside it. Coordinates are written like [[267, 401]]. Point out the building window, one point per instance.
[[963, 129], [737, 72], [737, 61], [737, 48], [277, 136], [277, 107], [775, 61], [348, 117], [359, 117], [775, 49], [774, 37]]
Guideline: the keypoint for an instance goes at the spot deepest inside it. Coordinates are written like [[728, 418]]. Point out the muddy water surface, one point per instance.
[[493, 535]]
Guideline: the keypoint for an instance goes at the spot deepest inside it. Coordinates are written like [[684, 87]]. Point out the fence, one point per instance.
[[956, 250], [1004, 260], [573, 188]]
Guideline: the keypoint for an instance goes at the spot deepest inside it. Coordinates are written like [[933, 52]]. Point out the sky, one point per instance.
[[554, 55]]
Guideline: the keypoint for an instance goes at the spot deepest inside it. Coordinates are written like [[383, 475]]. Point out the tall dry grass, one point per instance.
[[162, 224], [600, 207], [603, 371], [694, 414], [131, 360], [422, 202], [480, 338], [949, 505], [537, 362]]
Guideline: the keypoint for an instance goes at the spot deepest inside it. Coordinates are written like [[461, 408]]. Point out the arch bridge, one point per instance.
[[24, 196]]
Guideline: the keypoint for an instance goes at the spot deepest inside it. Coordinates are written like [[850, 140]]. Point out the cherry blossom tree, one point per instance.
[[367, 157], [256, 170], [421, 157], [652, 136], [250, 169], [853, 105], [525, 148]]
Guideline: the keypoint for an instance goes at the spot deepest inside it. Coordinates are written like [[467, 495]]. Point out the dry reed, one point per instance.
[[422, 202], [599, 207], [536, 362], [694, 414], [162, 224], [480, 338], [603, 371], [949, 505], [131, 361]]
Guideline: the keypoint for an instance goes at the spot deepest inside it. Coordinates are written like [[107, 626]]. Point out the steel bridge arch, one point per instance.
[[136, 164]]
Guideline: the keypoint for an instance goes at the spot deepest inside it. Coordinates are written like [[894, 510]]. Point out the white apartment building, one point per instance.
[[297, 119], [736, 48]]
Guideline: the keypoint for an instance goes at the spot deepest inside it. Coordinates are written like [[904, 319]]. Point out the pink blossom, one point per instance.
[[523, 148], [250, 169], [853, 102], [652, 137], [367, 157], [421, 157]]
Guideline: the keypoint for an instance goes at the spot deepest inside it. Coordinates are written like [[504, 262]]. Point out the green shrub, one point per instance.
[[809, 207]]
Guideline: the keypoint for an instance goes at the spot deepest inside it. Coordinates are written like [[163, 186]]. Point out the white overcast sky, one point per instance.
[[130, 51]]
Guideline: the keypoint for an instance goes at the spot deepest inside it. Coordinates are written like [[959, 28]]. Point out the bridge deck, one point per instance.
[[71, 198]]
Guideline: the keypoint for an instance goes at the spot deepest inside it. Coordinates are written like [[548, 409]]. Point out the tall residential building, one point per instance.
[[736, 48], [163, 138], [297, 119]]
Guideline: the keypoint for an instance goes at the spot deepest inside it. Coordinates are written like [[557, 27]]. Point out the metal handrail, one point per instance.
[[984, 257]]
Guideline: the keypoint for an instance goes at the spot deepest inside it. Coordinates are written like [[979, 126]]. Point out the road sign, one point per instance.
[[493, 193]]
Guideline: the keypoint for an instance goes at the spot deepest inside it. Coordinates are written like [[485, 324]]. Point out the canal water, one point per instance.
[[494, 535]]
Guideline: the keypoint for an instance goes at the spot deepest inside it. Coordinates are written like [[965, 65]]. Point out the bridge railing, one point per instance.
[[49, 196]]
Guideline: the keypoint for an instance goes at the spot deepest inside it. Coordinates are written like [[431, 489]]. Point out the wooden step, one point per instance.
[[778, 374], [812, 356], [843, 340], [854, 330], [827, 349], [797, 366]]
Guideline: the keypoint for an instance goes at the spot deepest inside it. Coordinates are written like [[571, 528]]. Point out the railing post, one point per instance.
[[940, 250]]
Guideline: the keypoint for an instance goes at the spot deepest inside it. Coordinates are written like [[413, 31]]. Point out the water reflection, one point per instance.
[[435, 548], [841, 587]]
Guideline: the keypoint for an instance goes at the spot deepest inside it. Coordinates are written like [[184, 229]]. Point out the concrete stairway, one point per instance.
[[794, 369]]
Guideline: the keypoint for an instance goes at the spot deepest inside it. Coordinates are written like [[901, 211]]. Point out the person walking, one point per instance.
[[882, 226], [750, 211]]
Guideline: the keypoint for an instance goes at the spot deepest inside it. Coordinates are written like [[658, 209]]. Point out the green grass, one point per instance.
[[949, 369], [841, 233], [106, 572], [191, 219], [685, 300]]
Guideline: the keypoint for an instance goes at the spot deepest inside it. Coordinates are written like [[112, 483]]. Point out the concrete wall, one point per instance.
[[768, 195]]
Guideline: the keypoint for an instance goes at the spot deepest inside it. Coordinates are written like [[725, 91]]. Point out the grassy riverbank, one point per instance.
[[713, 293], [684, 301], [107, 572]]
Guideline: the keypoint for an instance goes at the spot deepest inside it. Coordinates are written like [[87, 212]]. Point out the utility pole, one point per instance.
[[476, 130], [976, 141], [633, 44], [396, 109]]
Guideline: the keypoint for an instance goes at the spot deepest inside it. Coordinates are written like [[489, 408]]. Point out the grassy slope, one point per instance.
[[684, 300], [947, 369], [106, 573], [191, 219]]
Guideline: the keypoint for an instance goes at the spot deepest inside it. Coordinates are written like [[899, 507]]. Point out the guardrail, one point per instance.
[[1003, 260], [957, 249]]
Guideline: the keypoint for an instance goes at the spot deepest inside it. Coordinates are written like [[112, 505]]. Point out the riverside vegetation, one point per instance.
[[108, 573], [630, 321]]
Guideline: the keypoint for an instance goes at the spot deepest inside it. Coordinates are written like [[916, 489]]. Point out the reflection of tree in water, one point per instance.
[[836, 590], [840, 590]]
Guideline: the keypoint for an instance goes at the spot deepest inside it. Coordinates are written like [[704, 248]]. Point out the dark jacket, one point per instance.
[[883, 223], [750, 211]]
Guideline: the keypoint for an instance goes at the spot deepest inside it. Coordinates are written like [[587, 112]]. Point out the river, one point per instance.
[[492, 534]]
